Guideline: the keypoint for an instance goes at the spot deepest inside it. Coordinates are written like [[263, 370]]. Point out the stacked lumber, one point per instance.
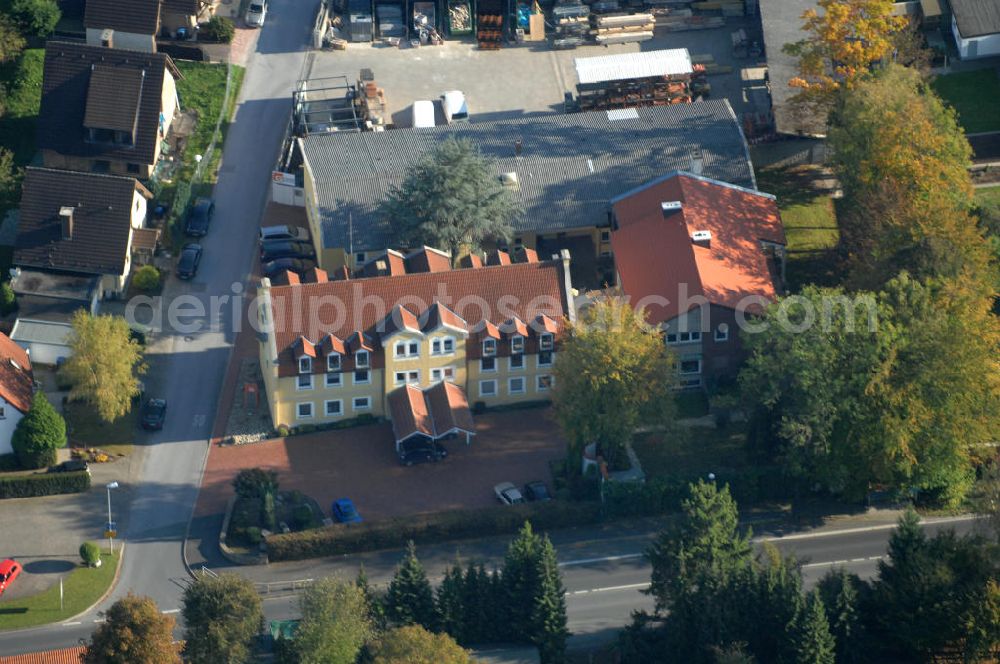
[[622, 28], [489, 31], [674, 23], [706, 63]]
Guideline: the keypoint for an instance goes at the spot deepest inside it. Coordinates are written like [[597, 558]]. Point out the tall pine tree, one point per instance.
[[475, 606], [548, 617], [410, 599], [520, 579], [813, 642], [450, 603], [839, 590]]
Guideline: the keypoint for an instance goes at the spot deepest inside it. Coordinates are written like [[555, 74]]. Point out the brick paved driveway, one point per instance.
[[360, 463]]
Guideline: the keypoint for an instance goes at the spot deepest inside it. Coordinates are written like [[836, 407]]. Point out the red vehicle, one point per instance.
[[9, 569]]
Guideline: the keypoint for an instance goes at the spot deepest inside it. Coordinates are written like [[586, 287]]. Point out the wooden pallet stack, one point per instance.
[[622, 28], [489, 25]]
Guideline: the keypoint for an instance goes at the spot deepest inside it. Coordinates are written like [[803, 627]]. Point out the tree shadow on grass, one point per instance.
[[55, 566]]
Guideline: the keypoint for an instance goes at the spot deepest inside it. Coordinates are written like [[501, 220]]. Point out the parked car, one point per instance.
[[423, 114], [71, 466], [508, 494], [345, 512], [154, 413], [537, 492], [187, 265], [412, 452], [455, 106], [283, 232], [297, 265], [9, 570], [275, 249], [200, 217], [256, 13]]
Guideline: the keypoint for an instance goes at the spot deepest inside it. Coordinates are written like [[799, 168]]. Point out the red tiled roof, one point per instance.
[[470, 261], [410, 413], [433, 412], [524, 290], [427, 259], [655, 255], [497, 257], [16, 379], [437, 314], [64, 656], [315, 276], [389, 262], [449, 408], [525, 255], [287, 278]]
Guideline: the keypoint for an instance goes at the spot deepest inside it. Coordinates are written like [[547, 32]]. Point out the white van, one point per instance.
[[256, 13], [423, 114], [456, 108]]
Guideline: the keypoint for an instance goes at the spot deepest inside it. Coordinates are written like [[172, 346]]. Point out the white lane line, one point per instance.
[[72, 624], [171, 611], [588, 561], [98, 620], [609, 589], [844, 562], [865, 529]]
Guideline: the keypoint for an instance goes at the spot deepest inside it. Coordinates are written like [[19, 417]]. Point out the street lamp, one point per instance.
[[111, 531]]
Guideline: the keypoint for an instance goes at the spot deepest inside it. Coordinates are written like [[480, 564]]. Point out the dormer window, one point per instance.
[[546, 341], [305, 365], [517, 344], [361, 359], [489, 346], [333, 362]]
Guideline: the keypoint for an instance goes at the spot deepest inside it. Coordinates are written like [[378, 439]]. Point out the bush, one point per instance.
[[423, 528], [36, 17], [39, 434], [302, 516], [281, 431], [253, 535], [146, 279], [8, 301], [255, 483], [219, 29], [90, 553], [9, 462], [270, 519], [48, 484]]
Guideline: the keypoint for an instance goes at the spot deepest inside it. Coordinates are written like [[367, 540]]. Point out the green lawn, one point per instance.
[[989, 194], [810, 220], [23, 80], [976, 97], [693, 451], [82, 587], [90, 430]]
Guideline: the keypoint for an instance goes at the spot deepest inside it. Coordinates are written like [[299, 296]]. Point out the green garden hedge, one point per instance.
[[425, 528], [43, 484]]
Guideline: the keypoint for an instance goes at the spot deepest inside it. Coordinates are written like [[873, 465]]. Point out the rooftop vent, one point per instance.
[[670, 206], [703, 238], [697, 161], [108, 38], [510, 181]]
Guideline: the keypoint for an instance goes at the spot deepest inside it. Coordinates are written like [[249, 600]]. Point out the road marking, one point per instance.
[[588, 561], [608, 589], [71, 624], [844, 562], [171, 611], [98, 620], [865, 529]]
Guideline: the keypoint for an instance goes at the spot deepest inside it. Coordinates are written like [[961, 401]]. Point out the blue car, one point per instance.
[[344, 511]]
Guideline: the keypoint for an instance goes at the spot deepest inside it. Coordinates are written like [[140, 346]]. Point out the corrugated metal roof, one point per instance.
[[568, 166], [668, 62], [976, 18]]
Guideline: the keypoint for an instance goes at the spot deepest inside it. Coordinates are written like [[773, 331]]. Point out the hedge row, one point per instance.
[[43, 484], [426, 528]]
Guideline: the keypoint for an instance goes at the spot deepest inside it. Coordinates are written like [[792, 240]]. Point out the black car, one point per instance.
[[187, 265], [537, 492], [154, 412], [412, 452], [200, 217], [71, 466], [297, 265], [274, 249]]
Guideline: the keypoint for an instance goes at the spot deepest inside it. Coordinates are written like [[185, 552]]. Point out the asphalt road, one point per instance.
[[187, 367]]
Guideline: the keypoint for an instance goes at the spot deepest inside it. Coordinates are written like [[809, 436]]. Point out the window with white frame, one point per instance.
[[407, 349], [690, 365], [362, 377], [443, 373], [334, 380], [304, 382], [683, 337], [671, 337], [515, 385], [543, 383], [489, 346], [361, 359], [304, 410], [487, 388], [412, 377], [487, 364], [517, 344], [545, 358], [516, 362], [362, 403], [722, 332], [546, 341], [442, 346], [333, 407], [333, 362], [305, 364]]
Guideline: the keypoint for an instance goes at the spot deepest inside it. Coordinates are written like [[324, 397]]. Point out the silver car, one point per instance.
[[256, 13], [508, 494]]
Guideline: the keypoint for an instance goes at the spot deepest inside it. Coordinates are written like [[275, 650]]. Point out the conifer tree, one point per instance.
[[410, 599], [814, 644], [548, 617], [450, 605]]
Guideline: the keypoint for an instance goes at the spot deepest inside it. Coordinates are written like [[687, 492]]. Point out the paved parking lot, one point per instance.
[[526, 79], [360, 463]]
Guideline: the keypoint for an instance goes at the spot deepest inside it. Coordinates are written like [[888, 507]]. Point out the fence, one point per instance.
[[279, 587]]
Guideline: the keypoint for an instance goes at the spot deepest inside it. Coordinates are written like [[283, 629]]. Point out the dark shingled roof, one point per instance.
[[69, 71], [976, 18], [101, 221], [568, 169], [113, 98], [136, 16], [186, 7]]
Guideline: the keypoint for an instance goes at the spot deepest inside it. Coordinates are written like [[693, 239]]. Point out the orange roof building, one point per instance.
[[17, 387], [698, 255]]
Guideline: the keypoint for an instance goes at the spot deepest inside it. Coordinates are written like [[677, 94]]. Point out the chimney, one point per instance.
[[66, 221], [517, 147], [697, 162], [108, 38], [567, 284], [702, 238], [669, 207]]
